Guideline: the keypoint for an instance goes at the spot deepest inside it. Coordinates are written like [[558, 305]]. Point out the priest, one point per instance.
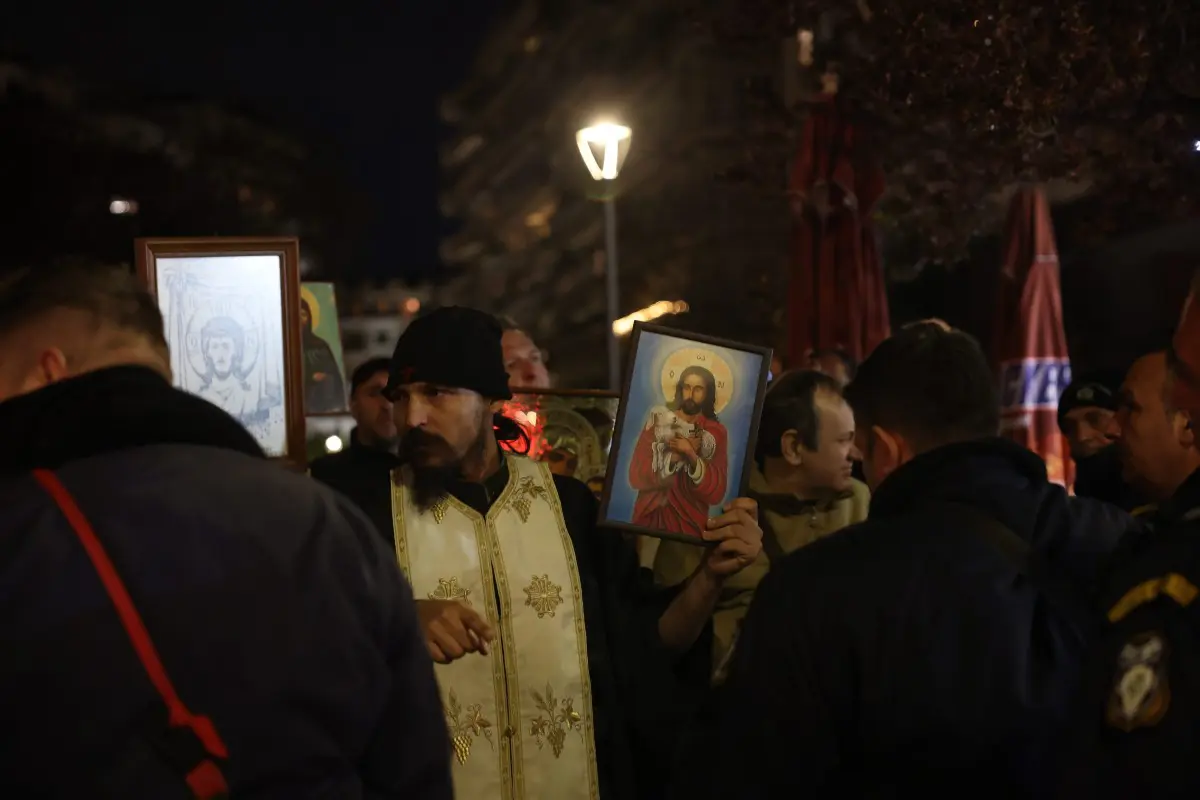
[[552, 646]]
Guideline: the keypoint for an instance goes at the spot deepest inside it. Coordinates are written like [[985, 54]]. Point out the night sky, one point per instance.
[[358, 79]]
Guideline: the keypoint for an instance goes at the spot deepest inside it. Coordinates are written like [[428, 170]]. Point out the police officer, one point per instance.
[[1141, 683], [1085, 416]]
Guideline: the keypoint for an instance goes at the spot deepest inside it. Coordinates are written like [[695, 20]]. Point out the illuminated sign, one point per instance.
[[1033, 383]]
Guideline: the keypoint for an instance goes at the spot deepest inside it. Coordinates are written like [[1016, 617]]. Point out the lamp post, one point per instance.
[[611, 143]]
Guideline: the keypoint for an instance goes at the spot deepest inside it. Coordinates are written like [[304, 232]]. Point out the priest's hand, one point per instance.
[[738, 538], [452, 630]]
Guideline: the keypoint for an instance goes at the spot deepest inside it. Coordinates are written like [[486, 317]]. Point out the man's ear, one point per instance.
[[890, 447], [1185, 429], [51, 367], [789, 446]]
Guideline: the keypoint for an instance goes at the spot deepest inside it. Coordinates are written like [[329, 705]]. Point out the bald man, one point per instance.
[[283, 625], [1138, 734]]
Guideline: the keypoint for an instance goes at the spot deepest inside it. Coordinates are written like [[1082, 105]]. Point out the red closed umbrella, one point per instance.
[[1030, 340], [836, 296]]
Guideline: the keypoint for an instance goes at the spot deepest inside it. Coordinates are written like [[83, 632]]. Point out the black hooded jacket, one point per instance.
[[906, 655], [273, 605]]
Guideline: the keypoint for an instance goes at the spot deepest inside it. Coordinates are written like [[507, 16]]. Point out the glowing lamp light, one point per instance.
[[1196, 145], [610, 142], [662, 308], [333, 444], [411, 306], [120, 207]]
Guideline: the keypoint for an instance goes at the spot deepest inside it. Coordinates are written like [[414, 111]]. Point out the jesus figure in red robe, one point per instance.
[[680, 464]]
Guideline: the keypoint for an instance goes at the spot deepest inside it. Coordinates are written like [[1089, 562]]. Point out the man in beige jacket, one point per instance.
[[801, 480]]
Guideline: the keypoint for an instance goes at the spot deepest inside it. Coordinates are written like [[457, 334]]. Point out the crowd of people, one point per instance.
[[903, 602]]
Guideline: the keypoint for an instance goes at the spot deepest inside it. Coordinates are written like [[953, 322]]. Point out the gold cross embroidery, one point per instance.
[[543, 596]]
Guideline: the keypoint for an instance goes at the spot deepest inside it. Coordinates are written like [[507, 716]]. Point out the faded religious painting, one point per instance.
[[321, 338], [223, 318], [571, 431], [690, 409]]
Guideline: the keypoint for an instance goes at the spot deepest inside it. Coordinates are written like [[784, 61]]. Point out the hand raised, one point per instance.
[[738, 538], [452, 630]]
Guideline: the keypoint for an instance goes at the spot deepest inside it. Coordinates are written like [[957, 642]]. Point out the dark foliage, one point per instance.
[[194, 169]]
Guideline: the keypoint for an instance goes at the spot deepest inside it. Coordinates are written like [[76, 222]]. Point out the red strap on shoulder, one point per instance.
[[206, 780]]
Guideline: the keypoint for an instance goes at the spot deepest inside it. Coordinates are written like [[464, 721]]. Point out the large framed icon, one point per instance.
[[685, 432], [232, 316]]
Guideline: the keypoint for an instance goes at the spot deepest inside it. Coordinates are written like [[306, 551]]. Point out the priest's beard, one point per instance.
[[431, 482]]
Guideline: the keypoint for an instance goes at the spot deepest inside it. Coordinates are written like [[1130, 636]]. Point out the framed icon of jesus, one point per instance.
[[685, 432]]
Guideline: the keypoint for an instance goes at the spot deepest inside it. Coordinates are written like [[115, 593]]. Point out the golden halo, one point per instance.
[[686, 357], [314, 308]]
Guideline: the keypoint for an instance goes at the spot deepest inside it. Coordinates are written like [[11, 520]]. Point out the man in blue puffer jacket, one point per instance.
[[936, 647], [275, 611]]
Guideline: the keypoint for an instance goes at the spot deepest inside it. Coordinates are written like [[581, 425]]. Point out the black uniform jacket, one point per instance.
[[907, 654]]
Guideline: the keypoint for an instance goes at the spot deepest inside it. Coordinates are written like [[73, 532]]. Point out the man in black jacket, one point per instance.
[[936, 645], [274, 609], [372, 450]]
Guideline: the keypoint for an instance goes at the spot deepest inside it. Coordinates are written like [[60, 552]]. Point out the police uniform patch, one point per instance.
[[1140, 693]]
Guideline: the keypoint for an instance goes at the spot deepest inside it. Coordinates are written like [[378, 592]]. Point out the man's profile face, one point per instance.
[[439, 426], [524, 362], [1149, 435], [372, 410], [694, 394], [1087, 430], [220, 354], [828, 467], [305, 319]]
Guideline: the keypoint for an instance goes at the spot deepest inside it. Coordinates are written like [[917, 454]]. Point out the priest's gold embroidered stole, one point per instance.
[[520, 718]]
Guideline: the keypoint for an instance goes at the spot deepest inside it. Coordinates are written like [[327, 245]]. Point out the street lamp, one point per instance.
[[120, 207], [604, 148]]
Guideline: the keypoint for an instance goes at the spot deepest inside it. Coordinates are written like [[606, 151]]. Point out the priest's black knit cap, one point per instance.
[[453, 346]]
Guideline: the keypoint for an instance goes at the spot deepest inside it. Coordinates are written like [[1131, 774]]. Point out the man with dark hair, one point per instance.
[[936, 646], [836, 363], [172, 598], [802, 484], [545, 638], [372, 451]]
